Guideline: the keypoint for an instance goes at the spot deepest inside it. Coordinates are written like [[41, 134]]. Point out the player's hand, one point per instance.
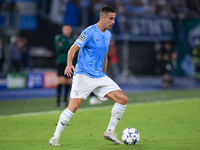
[[69, 70]]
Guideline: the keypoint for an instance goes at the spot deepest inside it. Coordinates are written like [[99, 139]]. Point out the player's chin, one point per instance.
[[110, 26]]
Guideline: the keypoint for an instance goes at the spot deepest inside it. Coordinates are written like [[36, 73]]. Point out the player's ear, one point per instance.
[[101, 17]]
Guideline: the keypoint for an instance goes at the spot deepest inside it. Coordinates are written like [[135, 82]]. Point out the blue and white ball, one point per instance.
[[130, 136]]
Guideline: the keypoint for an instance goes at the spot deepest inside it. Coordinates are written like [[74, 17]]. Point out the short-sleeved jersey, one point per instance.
[[62, 50], [93, 44]]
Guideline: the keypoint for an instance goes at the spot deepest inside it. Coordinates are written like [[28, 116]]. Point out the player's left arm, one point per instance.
[[105, 64]]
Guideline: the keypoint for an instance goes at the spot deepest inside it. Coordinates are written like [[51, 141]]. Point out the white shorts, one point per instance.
[[83, 85]]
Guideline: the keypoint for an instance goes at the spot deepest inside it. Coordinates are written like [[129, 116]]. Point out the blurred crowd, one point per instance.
[[10, 9], [166, 8], [86, 12], [20, 54], [76, 11], [8, 4], [196, 56], [166, 58], [170, 8], [1, 54]]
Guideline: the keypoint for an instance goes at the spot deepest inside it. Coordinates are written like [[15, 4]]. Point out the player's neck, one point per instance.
[[101, 27]]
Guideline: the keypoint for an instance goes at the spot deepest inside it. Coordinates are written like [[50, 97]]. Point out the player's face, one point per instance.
[[109, 20], [67, 30]]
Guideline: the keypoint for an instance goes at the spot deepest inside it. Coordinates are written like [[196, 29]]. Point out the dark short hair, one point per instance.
[[107, 10], [66, 24]]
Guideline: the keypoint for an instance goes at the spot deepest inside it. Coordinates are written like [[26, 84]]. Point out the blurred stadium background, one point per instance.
[[142, 28]]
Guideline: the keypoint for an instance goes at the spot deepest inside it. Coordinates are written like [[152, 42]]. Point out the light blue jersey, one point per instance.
[[93, 44]]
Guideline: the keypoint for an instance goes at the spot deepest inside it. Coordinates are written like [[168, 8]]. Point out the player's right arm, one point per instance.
[[70, 67], [79, 43]]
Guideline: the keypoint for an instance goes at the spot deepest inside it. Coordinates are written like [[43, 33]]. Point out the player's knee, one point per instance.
[[72, 108], [123, 99], [74, 104]]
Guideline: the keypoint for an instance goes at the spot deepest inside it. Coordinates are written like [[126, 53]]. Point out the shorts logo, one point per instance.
[[76, 92], [82, 37]]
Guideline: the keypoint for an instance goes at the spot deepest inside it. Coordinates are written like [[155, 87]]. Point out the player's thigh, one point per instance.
[[61, 80], [81, 86], [67, 80], [118, 97], [104, 86], [60, 72]]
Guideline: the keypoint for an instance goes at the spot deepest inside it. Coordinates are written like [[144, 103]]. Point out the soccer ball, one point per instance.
[[130, 136]]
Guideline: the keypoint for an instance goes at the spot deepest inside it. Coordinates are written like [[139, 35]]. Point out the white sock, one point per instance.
[[65, 116], [116, 114]]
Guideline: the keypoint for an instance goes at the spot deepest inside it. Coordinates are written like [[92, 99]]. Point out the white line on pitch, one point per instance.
[[103, 107]]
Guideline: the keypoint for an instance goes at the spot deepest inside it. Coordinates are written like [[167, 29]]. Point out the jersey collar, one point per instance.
[[99, 29]]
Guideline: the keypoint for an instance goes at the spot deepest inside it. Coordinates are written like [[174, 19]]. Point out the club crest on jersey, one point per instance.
[[108, 39]]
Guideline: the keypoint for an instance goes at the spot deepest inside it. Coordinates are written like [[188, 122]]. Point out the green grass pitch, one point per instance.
[[166, 120]]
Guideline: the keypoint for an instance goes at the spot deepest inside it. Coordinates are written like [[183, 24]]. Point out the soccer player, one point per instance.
[[63, 42], [90, 75]]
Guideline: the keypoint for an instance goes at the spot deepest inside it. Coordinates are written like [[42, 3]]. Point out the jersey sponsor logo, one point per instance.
[[79, 41], [82, 37]]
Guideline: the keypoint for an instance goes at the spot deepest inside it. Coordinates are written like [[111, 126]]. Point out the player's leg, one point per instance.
[[67, 88], [118, 109], [59, 90], [108, 89], [118, 97], [60, 68], [65, 117], [80, 90]]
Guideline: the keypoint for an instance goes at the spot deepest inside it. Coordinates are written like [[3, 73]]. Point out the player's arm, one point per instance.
[[57, 42], [105, 64], [70, 68]]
